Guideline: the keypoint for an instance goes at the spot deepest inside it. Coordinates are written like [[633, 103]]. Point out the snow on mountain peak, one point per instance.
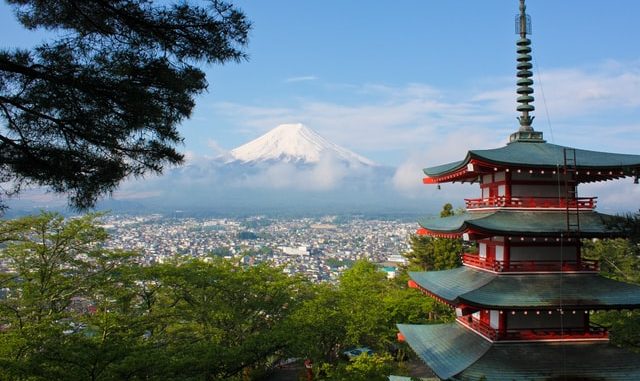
[[295, 143]]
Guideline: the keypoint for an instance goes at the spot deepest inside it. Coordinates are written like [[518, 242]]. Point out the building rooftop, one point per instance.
[[522, 223], [454, 352], [483, 289], [591, 165]]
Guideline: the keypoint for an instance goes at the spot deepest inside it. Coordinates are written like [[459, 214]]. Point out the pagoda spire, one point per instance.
[[525, 99]]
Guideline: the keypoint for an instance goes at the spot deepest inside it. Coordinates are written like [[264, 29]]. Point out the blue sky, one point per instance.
[[391, 81], [417, 83], [395, 80]]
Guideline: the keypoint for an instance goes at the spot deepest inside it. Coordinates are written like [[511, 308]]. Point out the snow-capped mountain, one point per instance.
[[295, 143]]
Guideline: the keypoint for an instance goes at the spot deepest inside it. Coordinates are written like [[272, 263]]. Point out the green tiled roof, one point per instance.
[[549, 290], [447, 349], [526, 223], [554, 361], [456, 353], [450, 284], [483, 289], [540, 155]]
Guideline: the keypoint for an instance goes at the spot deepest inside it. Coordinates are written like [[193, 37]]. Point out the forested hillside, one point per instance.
[[72, 310]]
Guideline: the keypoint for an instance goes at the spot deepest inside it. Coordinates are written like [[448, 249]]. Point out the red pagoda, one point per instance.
[[523, 302]]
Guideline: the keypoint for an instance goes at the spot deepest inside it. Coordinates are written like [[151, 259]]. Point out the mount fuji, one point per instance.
[[296, 144], [291, 169]]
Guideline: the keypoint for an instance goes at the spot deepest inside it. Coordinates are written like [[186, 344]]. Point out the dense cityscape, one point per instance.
[[320, 248]]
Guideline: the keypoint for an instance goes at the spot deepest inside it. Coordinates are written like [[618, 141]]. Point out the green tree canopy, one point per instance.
[[361, 310], [103, 100], [66, 314], [619, 259], [447, 210], [72, 310], [429, 253]]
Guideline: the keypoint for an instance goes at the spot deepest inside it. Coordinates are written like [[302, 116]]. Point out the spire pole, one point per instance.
[[524, 71], [524, 90]]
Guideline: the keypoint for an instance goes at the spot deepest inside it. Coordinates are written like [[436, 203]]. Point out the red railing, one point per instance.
[[587, 203], [480, 327], [592, 332], [531, 265]]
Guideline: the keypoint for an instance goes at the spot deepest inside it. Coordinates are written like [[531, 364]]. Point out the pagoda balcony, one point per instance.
[[580, 203], [584, 265], [593, 332]]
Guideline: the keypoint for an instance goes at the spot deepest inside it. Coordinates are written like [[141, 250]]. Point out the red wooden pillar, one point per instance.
[[507, 254]]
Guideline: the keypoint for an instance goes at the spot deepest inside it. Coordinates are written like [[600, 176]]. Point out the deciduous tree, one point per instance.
[[429, 253], [619, 259], [67, 310], [71, 309]]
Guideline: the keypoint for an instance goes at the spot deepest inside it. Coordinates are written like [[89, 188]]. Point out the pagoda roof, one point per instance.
[[450, 284], [465, 285], [454, 352], [520, 222], [447, 349], [538, 155]]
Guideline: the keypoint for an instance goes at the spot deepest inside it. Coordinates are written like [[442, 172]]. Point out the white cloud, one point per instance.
[[575, 92], [189, 156], [136, 195], [448, 147], [400, 123], [216, 149], [582, 103], [596, 107], [327, 174], [304, 78], [614, 197]]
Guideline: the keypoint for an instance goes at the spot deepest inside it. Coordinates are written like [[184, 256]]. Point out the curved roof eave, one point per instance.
[[465, 285], [576, 291], [454, 352], [541, 155], [447, 349], [523, 223], [580, 361]]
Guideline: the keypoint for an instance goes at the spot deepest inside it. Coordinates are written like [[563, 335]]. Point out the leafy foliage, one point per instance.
[[71, 309], [103, 100], [365, 367], [361, 310], [430, 253], [447, 210], [75, 310], [619, 259], [64, 315]]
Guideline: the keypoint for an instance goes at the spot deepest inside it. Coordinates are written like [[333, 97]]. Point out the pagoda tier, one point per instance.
[[527, 307], [541, 159], [519, 224], [481, 289], [456, 353], [523, 301]]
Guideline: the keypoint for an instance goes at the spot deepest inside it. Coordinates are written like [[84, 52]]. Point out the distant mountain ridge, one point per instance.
[[289, 170], [295, 143]]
